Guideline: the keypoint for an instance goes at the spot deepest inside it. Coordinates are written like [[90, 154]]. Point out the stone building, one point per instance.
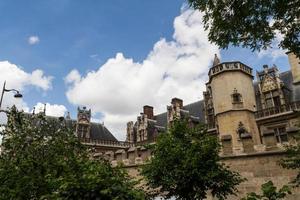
[[90, 131], [252, 119], [246, 115]]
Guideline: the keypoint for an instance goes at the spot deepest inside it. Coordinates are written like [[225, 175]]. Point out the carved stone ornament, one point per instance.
[[242, 131], [268, 84]]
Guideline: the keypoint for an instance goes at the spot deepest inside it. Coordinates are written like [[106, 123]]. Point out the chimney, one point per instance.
[[177, 101], [266, 68], [295, 67], [148, 110]]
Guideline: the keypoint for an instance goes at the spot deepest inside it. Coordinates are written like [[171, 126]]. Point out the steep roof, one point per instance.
[[195, 109], [98, 131], [161, 119], [287, 79]]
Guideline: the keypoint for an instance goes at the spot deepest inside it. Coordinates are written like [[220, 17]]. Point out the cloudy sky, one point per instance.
[[111, 56]]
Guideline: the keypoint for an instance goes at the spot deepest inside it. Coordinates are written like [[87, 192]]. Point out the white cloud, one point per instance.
[[73, 76], [51, 110], [120, 87], [32, 40], [17, 78]]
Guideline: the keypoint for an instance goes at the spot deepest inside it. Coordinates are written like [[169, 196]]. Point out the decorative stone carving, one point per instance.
[[83, 122], [268, 84], [174, 109], [236, 97], [130, 132], [242, 131], [142, 124]]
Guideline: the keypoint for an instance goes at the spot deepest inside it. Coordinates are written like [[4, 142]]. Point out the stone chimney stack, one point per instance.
[[177, 102], [148, 110], [295, 67]]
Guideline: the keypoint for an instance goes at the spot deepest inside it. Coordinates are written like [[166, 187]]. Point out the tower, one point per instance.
[[130, 137], [230, 98], [83, 125], [295, 67]]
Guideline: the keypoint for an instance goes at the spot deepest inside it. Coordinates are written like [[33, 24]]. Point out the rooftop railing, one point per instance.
[[145, 142], [277, 110], [109, 143], [229, 66]]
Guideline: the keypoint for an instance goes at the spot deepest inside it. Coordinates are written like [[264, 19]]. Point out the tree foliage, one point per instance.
[[292, 161], [42, 159], [252, 23], [186, 165], [269, 192]]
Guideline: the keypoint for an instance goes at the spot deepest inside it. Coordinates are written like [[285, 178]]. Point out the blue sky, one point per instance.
[[81, 36]]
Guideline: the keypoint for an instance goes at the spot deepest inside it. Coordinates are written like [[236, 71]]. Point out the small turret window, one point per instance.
[[236, 97]]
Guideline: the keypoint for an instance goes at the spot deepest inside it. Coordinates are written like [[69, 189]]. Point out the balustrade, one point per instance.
[[106, 142], [277, 110]]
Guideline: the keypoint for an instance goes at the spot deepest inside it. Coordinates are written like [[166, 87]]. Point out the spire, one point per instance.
[[216, 60], [68, 116], [45, 108]]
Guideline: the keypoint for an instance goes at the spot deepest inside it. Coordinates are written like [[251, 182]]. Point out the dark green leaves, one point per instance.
[[292, 160], [251, 23], [186, 165], [269, 192], [42, 159]]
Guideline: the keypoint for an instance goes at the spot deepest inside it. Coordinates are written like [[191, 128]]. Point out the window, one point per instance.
[[236, 97], [82, 131], [211, 121], [269, 103], [276, 101], [280, 134]]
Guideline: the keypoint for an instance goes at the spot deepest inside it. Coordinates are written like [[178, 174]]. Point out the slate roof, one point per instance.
[[195, 109], [98, 131], [161, 119], [287, 79]]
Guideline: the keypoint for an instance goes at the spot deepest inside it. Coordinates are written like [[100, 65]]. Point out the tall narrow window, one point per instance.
[[269, 103], [280, 134], [276, 101]]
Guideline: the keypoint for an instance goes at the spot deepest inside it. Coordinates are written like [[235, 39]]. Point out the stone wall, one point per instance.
[[257, 168]]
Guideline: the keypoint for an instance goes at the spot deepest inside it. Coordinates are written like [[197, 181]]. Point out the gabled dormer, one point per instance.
[[270, 87], [83, 123]]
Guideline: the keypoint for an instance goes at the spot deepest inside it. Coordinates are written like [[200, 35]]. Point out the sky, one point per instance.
[[110, 56]]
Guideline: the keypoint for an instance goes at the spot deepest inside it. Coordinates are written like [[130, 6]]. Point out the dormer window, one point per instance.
[[236, 97]]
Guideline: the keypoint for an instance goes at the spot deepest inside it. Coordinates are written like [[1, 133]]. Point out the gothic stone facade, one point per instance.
[[252, 119], [247, 116]]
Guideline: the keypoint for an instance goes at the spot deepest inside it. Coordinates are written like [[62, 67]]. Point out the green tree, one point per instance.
[[186, 165], [251, 23], [42, 159], [269, 192], [292, 161]]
